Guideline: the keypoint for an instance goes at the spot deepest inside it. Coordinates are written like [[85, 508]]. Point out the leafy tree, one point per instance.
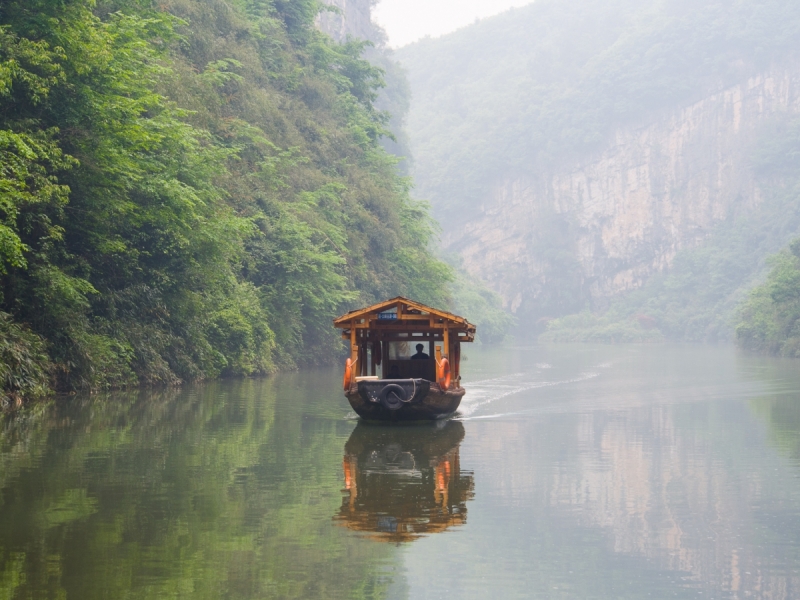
[[770, 319]]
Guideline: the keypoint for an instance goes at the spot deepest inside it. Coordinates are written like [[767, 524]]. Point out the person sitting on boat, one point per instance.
[[420, 355]]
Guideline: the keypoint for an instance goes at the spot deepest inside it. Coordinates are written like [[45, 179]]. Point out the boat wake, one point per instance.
[[488, 391], [494, 379]]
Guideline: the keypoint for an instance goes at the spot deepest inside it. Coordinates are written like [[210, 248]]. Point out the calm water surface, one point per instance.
[[570, 472]]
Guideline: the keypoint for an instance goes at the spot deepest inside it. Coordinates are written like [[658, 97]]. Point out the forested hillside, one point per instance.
[[190, 188]]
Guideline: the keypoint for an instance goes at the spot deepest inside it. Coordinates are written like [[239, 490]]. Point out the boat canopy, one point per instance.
[[401, 315], [383, 333]]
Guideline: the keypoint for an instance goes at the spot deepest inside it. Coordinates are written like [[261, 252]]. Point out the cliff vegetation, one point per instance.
[[191, 189], [770, 319]]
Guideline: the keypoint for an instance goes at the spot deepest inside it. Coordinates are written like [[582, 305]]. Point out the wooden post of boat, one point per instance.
[[353, 344], [360, 352], [457, 361]]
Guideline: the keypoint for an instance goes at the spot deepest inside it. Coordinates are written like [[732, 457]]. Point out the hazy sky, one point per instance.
[[408, 20]]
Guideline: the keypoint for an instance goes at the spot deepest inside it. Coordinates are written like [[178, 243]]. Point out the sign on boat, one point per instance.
[[416, 349]]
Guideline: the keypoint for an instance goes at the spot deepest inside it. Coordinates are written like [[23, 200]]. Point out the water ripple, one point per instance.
[[481, 395]]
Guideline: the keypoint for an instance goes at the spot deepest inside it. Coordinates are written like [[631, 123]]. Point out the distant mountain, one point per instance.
[[573, 149]]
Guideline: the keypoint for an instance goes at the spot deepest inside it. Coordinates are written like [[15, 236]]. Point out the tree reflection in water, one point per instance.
[[404, 482]]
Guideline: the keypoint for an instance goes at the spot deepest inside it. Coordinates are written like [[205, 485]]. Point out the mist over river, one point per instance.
[[571, 471]]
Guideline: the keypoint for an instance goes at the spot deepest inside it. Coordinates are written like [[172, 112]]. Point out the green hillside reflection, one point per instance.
[[219, 491]]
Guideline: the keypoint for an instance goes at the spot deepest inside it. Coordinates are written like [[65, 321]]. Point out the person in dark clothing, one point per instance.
[[420, 355]]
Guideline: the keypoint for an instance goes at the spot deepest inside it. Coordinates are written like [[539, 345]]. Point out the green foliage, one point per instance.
[[28, 71], [194, 189], [770, 319], [298, 15], [23, 361]]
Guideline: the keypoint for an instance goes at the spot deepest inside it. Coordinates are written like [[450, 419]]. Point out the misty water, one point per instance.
[[571, 472]]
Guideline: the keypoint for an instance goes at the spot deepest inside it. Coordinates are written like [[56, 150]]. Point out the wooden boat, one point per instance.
[[410, 386], [402, 483]]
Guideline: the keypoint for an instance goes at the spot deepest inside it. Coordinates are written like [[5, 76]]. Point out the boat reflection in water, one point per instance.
[[404, 482]]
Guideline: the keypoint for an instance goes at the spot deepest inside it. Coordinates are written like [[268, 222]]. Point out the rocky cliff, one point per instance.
[[615, 218], [353, 18]]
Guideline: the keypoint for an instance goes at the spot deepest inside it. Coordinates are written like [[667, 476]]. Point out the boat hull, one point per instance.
[[400, 400]]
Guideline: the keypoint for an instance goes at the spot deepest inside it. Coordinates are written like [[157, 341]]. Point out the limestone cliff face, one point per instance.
[[354, 19], [625, 212]]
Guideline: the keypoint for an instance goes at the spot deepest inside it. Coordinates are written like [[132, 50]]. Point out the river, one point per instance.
[[572, 471]]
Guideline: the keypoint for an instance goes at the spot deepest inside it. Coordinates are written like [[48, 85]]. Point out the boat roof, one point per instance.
[[407, 310]]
